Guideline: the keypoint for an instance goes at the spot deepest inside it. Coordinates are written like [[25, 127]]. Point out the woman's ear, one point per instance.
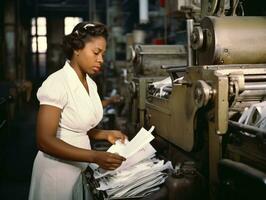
[[76, 52]]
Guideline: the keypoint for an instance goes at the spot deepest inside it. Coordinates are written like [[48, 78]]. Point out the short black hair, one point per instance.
[[82, 33]]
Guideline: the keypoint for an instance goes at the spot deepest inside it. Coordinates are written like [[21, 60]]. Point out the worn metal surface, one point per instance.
[[148, 59], [232, 40], [218, 87]]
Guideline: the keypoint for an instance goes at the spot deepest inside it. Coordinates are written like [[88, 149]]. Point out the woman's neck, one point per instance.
[[80, 73]]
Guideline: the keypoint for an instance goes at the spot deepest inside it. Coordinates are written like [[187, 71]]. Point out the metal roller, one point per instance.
[[255, 86], [230, 40]]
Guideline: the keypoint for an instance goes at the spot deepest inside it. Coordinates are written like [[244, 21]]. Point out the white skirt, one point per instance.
[[54, 178]]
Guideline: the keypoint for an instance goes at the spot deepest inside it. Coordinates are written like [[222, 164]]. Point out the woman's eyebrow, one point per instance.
[[99, 49]]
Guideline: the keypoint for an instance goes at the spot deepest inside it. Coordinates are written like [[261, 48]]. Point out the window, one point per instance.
[[39, 39], [38, 46], [70, 23]]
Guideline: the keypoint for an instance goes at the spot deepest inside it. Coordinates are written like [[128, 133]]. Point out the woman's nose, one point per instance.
[[100, 58]]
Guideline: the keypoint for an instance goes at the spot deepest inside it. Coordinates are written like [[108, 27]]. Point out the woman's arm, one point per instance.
[[111, 100], [109, 135], [47, 124]]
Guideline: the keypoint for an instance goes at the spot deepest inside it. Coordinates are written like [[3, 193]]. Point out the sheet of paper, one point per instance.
[[128, 149], [148, 180], [146, 169], [144, 185], [139, 175], [147, 152]]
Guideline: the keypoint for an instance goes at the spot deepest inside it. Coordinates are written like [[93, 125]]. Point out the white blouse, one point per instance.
[[80, 111], [52, 177]]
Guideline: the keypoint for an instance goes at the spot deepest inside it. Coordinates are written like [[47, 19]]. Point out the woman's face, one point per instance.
[[90, 58]]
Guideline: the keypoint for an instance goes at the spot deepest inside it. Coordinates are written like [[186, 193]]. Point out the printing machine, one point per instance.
[[145, 67], [198, 119], [220, 74]]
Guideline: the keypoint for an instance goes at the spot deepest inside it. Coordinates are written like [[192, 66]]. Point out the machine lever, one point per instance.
[[247, 128], [177, 68], [175, 71]]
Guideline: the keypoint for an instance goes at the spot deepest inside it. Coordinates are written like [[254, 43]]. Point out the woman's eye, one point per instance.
[[96, 53]]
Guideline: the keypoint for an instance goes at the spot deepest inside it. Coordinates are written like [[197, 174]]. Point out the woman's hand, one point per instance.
[[114, 135], [112, 100], [116, 99], [108, 161]]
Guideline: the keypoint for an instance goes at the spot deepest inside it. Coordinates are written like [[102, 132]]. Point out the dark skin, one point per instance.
[[111, 100], [84, 61]]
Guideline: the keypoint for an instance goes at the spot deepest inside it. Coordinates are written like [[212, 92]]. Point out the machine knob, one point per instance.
[[196, 38], [202, 93], [132, 88], [131, 56]]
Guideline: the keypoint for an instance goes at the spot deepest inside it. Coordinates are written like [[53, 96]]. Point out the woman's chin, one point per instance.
[[96, 69], [94, 72]]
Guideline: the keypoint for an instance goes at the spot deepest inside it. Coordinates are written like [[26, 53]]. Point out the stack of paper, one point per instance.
[[165, 83], [140, 175]]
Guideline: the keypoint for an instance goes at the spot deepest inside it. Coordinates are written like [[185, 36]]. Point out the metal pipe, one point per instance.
[[167, 89], [189, 47], [143, 12], [247, 128], [253, 93], [174, 67], [255, 86], [238, 168], [255, 78], [159, 53]]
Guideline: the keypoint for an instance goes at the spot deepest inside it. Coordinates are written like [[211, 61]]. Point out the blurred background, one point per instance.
[[142, 34]]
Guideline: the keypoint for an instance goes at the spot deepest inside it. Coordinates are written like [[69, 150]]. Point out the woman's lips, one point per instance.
[[96, 69]]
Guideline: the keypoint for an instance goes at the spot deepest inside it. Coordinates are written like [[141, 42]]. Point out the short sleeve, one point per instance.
[[52, 92]]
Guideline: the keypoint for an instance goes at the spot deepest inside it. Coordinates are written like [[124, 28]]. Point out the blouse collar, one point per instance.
[[72, 76]]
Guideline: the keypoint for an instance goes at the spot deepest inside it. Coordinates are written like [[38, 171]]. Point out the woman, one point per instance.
[[70, 108]]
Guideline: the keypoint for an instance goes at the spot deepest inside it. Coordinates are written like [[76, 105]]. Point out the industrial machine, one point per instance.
[[145, 68], [206, 100], [199, 117], [210, 118]]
